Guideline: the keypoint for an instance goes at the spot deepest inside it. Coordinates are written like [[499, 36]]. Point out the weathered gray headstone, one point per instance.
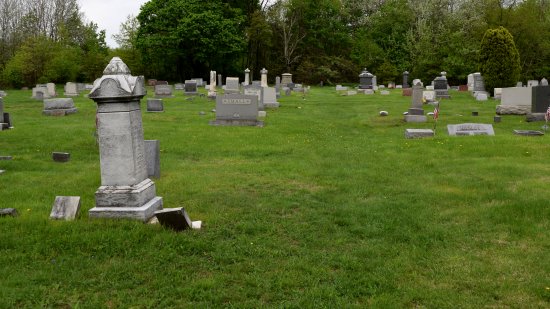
[[125, 191], [270, 98], [40, 92], [71, 89], [257, 91], [277, 87], [179, 86], [61, 156], [220, 80], [232, 85], [163, 91], [200, 81], [174, 218], [237, 110], [155, 105], [59, 107], [416, 111], [515, 101], [470, 129], [152, 156], [532, 83], [51, 89], [286, 78], [418, 133], [543, 82], [405, 79], [65, 208]]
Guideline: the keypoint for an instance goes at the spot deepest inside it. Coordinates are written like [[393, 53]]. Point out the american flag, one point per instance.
[[436, 112], [547, 115]]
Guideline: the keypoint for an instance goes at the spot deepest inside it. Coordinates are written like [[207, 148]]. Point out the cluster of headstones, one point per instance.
[[242, 104], [58, 106]]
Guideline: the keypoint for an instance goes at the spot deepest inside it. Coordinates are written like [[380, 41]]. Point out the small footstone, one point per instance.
[[5, 157], [384, 113], [497, 119], [196, 225], [8, 212], [528, 132], [174, 218], [61, 156], [475, 113], [2, 171], [262, 113], [65, 208], [418, 133], [201, 113]]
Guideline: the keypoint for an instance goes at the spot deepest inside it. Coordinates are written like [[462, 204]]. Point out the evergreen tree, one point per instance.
[[499, 59]]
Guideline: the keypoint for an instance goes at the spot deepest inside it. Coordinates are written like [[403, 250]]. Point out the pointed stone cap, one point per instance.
[[263, 71], [247, 70], [117, 83]]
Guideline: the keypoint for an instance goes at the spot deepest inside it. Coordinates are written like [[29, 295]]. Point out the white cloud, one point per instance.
[[109, 14]]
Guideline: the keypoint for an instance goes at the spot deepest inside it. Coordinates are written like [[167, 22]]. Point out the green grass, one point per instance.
[[328, 205]]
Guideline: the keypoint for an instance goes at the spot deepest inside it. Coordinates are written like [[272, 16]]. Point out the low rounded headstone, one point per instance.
[[384, 113], [201, 113], [405, 113]]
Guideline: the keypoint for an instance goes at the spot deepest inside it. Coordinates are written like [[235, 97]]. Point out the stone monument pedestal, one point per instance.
[[125, 191]]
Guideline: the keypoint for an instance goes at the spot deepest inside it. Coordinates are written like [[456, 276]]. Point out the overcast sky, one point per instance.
[[109, 14]]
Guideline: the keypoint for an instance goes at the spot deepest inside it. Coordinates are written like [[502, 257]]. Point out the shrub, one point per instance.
[[499, 59]]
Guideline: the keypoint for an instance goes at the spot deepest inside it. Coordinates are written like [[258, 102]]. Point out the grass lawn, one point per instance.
[[328, 205]]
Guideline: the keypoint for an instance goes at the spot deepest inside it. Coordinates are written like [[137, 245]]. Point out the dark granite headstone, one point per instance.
[[61, 156], [540, 99], [528, 132], [365, 80]]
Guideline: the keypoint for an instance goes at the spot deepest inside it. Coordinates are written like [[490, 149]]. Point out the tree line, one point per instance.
[[327, 41]]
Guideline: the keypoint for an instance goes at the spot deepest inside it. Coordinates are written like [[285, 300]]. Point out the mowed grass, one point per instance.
[[328, 205]]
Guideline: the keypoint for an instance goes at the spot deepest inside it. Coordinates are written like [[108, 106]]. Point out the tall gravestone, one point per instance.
[[212, 90], [278, 87], [540, 99], [247, 77], [479, 84], [286, 79], [125, 191], [220, 80], [263, 80], [416, 112], [365, 80], [441, 87], [2, 123], [406, 79]]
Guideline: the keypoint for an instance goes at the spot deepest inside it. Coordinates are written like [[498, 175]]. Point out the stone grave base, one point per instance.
[[415, 118], [142, 213], [528, 132], [3, 126], [237, 122], [418, 133], [513, 109], [125, 196], [59, 112], [533, 117], [271, 105], [190, 93]]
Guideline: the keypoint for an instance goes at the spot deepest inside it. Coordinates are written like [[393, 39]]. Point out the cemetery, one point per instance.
[[275, 154], [326, 179]]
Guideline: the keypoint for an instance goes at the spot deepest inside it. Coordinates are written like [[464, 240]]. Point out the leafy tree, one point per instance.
[[499, 59], [183, 38]]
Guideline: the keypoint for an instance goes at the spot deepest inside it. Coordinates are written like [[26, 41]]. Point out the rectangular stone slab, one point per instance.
[[470, 129], [65, 207], [528, 132], [418, 133], [5, 212], [152, 156], [174, 218], [142, 213]]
